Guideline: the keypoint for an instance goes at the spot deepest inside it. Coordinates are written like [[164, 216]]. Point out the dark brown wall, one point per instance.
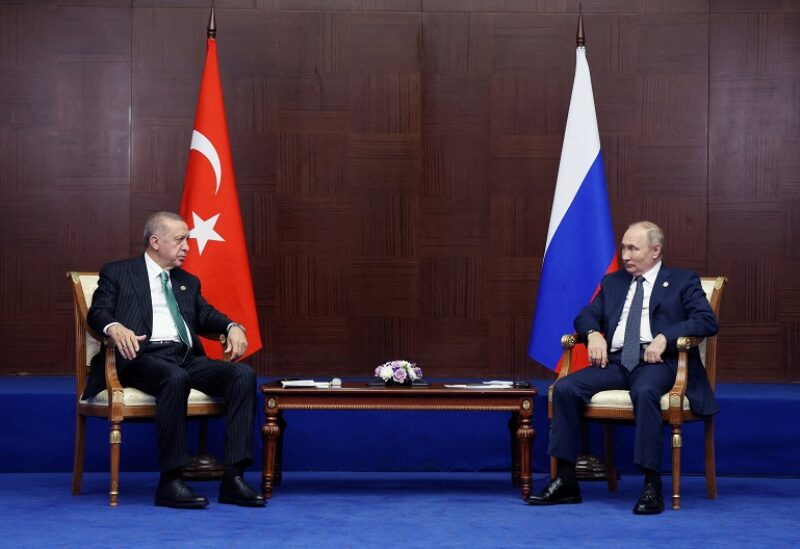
[[396, 161]]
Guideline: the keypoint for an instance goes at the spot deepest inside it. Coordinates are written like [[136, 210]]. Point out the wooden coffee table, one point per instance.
[[361, 396]]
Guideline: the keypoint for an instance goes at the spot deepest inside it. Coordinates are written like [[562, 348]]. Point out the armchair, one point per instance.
[[116, 403], [612, 407]]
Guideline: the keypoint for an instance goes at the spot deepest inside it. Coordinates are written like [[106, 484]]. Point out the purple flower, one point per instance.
[[400, 375], [418, 371]]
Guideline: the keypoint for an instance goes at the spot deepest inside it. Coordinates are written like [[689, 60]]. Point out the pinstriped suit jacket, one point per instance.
[[123, 295], [678, 307]]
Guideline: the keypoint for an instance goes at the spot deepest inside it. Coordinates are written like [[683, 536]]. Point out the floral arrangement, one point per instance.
[[398, 371]]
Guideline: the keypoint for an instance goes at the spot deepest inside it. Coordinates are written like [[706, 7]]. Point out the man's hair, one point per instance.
[[655, 236], [155, 223]]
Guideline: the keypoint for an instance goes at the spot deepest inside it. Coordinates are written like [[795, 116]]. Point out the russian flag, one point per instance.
[[580, 246]]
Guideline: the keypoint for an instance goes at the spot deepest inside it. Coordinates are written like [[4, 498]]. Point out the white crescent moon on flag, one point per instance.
[[201, 144]]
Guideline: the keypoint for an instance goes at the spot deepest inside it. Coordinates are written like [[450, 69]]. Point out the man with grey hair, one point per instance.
[[631, 330], [153, 311]]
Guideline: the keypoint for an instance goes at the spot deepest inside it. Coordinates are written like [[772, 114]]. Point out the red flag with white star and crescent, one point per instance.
[[210, 205]]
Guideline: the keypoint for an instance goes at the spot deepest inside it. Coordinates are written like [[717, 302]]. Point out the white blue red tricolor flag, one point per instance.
[[580, 246]]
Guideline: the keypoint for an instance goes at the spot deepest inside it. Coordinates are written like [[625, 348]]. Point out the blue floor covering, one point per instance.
[[394, 510]]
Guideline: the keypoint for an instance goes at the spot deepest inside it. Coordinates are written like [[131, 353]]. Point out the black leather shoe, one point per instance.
[[176, 493], [651, 502], [236, 491], [555, 493]]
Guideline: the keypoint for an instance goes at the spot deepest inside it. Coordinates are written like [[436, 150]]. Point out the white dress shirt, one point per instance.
[[645, 335], [163, 325]]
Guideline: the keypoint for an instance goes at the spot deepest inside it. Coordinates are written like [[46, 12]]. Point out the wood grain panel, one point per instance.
[[449, 347], [456, 105], [388, 225], [512, 284], [386, 338], [308, 287], [454, 287], [386, 103], [384, 162], [455, 166], [515, 225], [386, 287], [457, 44], [454, 228], [396, 161], [313, 224], [312, 164]]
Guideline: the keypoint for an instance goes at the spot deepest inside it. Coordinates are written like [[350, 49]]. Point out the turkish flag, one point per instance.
[[210, 206]]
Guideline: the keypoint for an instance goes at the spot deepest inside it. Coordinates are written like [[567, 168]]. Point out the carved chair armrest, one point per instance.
[[678, 390], [223, 340], [568, 342], [113, 385]]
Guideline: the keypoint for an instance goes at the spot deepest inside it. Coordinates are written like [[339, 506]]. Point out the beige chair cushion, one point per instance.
[[89, 285], [135, 397], [622, 399]]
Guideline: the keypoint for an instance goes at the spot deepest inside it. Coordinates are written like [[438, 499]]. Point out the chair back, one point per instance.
[[87, 342], [712, 286]]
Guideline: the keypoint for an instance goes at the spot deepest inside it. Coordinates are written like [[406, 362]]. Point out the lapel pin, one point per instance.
[[665, 284], [183, 288]]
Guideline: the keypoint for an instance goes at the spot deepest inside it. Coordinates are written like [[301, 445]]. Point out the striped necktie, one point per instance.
[[172, 305], [631, 345]]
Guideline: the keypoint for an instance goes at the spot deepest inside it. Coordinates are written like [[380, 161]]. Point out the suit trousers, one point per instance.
[[163, 370], [646, 382]]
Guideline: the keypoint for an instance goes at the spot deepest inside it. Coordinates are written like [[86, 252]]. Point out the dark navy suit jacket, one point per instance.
[[678, 307], [123, 295]]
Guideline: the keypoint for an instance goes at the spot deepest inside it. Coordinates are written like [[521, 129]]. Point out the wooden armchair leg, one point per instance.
[[77, 459], [114, 441], [553, 468], [711, 467], [677, 442], [608, 446]]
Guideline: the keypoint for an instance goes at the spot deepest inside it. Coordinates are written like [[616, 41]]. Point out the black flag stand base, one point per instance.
[[203, 466], [589, 467]]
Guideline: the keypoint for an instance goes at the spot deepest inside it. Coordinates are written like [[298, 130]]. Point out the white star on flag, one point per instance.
[[203, 231]]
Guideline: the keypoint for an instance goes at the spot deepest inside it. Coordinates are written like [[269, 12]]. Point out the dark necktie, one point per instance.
[[633, 328], [172, 305]]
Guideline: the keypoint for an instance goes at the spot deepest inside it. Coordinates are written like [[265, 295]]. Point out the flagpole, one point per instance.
[[211, 31], [588, 466], [205, 466]]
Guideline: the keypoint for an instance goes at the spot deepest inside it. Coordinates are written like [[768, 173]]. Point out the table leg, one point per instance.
[[513, 425], [270, 432], [525, 434]]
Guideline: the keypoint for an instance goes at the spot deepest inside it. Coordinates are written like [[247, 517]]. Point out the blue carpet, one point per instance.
[[394, 510]]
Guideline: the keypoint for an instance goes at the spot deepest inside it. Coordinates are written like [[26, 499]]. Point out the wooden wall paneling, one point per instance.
[[64, 137], [396, 161], [754, 106]]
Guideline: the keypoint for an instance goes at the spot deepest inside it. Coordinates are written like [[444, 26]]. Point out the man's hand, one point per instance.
[[126, 341], [598, 349], [237, 342], [656, 348]]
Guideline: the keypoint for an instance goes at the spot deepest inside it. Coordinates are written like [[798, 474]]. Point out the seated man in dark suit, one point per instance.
[[153, 311], [631, 330]]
